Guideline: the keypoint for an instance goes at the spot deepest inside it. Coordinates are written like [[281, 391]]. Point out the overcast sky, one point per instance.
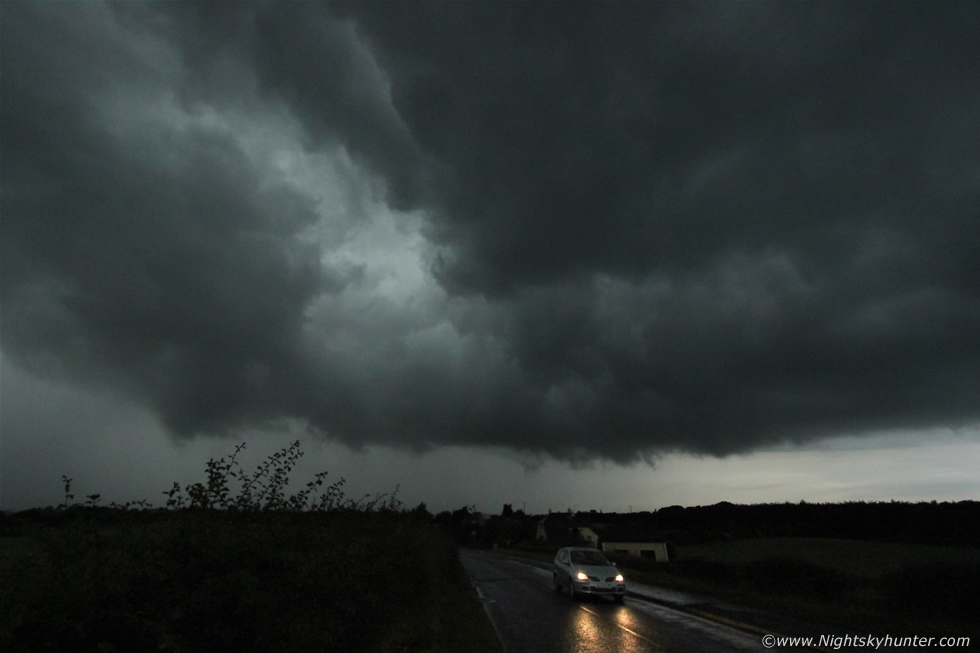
[[592, 255]]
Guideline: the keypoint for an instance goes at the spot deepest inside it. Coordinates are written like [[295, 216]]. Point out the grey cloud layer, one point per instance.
[[654, 227]]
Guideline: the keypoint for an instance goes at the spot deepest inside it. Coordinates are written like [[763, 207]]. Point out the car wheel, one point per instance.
[[572, 594], [554, 580]]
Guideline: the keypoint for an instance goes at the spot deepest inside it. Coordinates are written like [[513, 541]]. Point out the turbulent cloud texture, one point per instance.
[[587, 230]]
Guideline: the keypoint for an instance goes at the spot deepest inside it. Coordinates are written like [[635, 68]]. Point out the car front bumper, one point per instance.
[[605, 589]]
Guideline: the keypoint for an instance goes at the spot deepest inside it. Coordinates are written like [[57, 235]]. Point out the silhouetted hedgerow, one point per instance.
[[238, 563]]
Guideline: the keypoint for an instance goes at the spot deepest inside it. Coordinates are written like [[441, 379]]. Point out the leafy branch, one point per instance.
[[265, 489]]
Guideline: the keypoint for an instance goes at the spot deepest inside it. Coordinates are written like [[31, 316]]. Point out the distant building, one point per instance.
[[625, 539], [589, 534], [635, 540]]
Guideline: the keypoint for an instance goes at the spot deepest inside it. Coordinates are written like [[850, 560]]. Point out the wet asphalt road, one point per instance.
[[530, 617]]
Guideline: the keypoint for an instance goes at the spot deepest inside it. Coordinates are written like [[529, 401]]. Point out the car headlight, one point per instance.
[[581, 576], [619, 578]]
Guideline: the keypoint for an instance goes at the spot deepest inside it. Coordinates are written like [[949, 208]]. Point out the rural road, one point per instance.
[[529, 617]]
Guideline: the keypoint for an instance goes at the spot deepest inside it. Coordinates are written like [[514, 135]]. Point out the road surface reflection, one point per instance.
[[605, 628]]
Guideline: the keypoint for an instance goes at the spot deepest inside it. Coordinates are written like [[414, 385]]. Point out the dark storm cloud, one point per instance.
[[704, 227], [787, 194], [154, 261], [307, 58], [634, 139]]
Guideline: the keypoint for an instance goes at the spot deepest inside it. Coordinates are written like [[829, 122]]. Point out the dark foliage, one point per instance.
[[201, 581], [946, 523], [257, 570]]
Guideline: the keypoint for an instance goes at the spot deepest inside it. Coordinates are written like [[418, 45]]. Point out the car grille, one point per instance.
[[610, 579]]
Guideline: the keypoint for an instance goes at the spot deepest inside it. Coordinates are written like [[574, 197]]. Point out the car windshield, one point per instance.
[[588, 558]]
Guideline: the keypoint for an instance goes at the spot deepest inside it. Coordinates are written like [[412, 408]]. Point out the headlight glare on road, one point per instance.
[[581, 576]]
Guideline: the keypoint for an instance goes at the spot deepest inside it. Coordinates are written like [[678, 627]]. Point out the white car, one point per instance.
[[580, 570]]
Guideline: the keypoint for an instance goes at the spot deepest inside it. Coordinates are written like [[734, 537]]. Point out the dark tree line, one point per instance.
[[949, 523], [945, 523]]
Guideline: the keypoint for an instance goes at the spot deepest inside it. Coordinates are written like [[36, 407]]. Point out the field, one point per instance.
[[864, 585], [856, 559]]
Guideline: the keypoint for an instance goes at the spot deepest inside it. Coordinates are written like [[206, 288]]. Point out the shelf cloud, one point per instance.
[[590, 231]]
